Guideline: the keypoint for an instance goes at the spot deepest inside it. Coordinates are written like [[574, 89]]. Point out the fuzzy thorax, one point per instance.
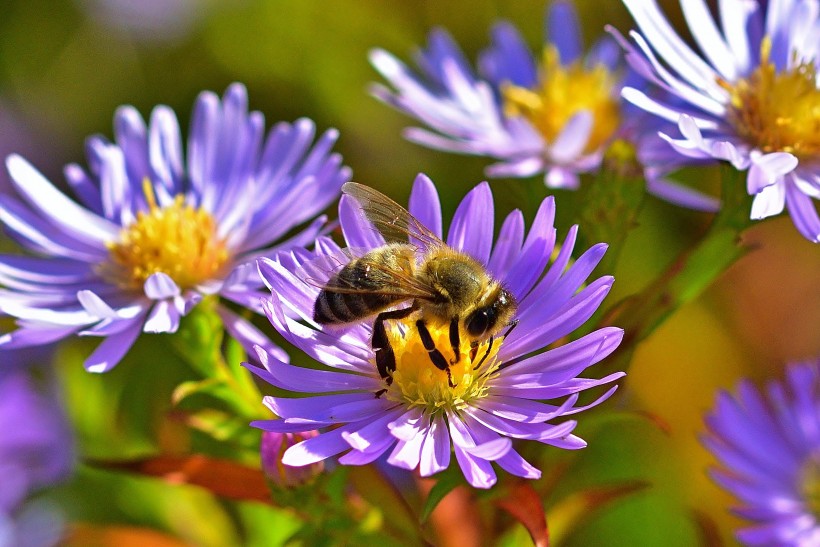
[[178, 240], [418, 382]]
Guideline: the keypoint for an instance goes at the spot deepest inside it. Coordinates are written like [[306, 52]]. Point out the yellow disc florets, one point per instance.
[[177, 240], [777, 111], [418, 382], [563, 92]]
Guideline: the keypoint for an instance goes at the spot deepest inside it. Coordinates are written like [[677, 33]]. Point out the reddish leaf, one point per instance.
[[709, 532], [224, 478], [524, 504], [81, 534]]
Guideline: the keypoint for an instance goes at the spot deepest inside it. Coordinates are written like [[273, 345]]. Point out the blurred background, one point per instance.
[[66, 65]]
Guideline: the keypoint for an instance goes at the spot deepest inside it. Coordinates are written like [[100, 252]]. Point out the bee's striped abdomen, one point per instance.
[[364, 289]]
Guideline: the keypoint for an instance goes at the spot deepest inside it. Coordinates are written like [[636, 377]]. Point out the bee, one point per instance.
[[442, 285]]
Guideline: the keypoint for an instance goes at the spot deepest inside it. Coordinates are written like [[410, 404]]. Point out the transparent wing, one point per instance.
[[392, 220], [320, 272]]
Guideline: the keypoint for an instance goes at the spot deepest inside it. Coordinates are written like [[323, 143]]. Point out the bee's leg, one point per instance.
[[385, 358], [486, 353], [455, 340], [473, 349], [435, 355], [512, 324]]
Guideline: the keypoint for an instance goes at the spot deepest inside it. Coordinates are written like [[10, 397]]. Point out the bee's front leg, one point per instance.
[[435, 355], [455, 340]]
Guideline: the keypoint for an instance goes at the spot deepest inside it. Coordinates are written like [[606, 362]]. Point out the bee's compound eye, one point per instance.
[[480, 322]]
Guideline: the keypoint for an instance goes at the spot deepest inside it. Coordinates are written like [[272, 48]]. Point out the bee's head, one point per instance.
[[491, 315]]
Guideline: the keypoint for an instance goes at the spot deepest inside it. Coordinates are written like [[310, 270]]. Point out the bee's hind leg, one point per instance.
[[436, 356], [385, 358]]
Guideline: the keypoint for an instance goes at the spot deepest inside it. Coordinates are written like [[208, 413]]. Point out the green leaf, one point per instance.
[[576, 509], [213, 393], [225, 427]]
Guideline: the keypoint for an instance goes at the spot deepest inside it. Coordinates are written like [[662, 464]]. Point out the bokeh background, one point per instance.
[[65, 66]]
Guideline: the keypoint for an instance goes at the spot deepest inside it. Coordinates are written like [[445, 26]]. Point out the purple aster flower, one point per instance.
[[156, 229], [513, 388], [554, 115], [769, 443], [36, 452], [751, 98]]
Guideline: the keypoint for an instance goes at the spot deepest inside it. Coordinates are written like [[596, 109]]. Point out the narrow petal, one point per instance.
[[111, 350], [471, 229]]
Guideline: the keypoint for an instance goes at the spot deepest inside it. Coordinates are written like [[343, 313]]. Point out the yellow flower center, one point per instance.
[[778, 112], [417, 381], [177, 240], [810, 484], [563, 92]]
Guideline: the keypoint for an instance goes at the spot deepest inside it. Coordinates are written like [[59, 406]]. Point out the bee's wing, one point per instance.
[[319, 271], [392, 220]]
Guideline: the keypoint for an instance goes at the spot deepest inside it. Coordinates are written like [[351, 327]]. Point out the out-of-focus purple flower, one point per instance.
[[273, 448], [751, 98], [149, 20], [156, 229], [512, 389], [769, 444], [36, 452], [555, 114]]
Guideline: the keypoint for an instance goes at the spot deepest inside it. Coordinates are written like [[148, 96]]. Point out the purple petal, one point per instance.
[[513, 463], [769, 169], [508, 245], [317, 449], [159, 286], [163, 317], [248, 335], [803, 213], [424, 204], [435, 449], [342, 407], [564, 31], [471, 229], [113, 349], [572, 140], [56, 207]]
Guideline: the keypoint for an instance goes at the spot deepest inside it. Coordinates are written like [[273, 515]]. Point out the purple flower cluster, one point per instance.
[[36, 452], [752, 98], [769, 443], [156, 230], [555, 116]]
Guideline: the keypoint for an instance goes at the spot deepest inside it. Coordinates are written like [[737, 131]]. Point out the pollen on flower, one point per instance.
[[178, 240], [417, 381], [563, 92], [778, 111]]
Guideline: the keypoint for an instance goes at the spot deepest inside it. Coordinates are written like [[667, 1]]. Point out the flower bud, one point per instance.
[[273, 448]]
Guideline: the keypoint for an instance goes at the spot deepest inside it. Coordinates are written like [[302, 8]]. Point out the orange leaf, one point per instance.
[[225, 478], [524, 504]]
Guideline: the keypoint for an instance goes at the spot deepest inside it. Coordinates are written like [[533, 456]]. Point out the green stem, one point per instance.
[[688, 275], [199, 343], [611, 204]]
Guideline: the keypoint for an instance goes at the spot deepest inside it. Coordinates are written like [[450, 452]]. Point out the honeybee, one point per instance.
[[442, 284]]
